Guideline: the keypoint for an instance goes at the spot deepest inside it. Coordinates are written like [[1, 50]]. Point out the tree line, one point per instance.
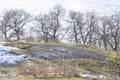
[[58, 25]]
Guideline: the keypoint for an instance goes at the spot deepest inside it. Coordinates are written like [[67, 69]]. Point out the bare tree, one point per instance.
[[42, 26], [49, 26], [55, 21], [18, 20], [91, 27], [104, 31], [73, 26], [114, 29], [4, 24], [110, 30], [83, 27]]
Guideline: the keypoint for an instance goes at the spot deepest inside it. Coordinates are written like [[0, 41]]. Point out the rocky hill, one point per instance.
[[79, 62], [56, 52]]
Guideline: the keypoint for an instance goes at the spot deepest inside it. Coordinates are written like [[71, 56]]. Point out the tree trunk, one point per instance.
[[6, 36], [18, 37]]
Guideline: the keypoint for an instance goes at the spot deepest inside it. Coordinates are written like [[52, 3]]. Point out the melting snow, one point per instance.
[[7, 48], [91, 76], [6, 57]]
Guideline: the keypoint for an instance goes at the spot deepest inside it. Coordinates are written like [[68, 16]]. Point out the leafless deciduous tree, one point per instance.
[[48, 26], [91, 27], [73, 27], [114, 31], [104, 31], [109, 31], [83, 27], [55, 21], [4, 24], [18, 20], [42, 26]]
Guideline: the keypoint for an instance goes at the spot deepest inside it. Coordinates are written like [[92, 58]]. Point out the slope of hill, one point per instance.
[[54, 61], [54, 52]]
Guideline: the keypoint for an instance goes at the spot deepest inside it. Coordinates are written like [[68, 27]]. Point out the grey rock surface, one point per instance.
[[58, 52]]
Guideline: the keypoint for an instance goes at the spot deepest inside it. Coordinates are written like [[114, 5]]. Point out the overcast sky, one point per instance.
[[37, 6]]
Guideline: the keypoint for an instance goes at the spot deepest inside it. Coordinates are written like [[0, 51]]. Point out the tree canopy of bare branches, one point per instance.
[[57, 25], [14, 20]]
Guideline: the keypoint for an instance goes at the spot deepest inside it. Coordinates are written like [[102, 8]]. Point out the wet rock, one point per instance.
[[53, 52]]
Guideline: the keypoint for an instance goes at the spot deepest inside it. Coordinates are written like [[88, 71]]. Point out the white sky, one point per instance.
[[37, 6]]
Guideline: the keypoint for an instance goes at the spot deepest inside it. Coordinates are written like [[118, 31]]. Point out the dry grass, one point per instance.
[[37, 67]]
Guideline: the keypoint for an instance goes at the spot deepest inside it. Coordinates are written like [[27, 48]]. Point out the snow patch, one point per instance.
[[11, 58], [7, 48], [85, 75], [6, 57]]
